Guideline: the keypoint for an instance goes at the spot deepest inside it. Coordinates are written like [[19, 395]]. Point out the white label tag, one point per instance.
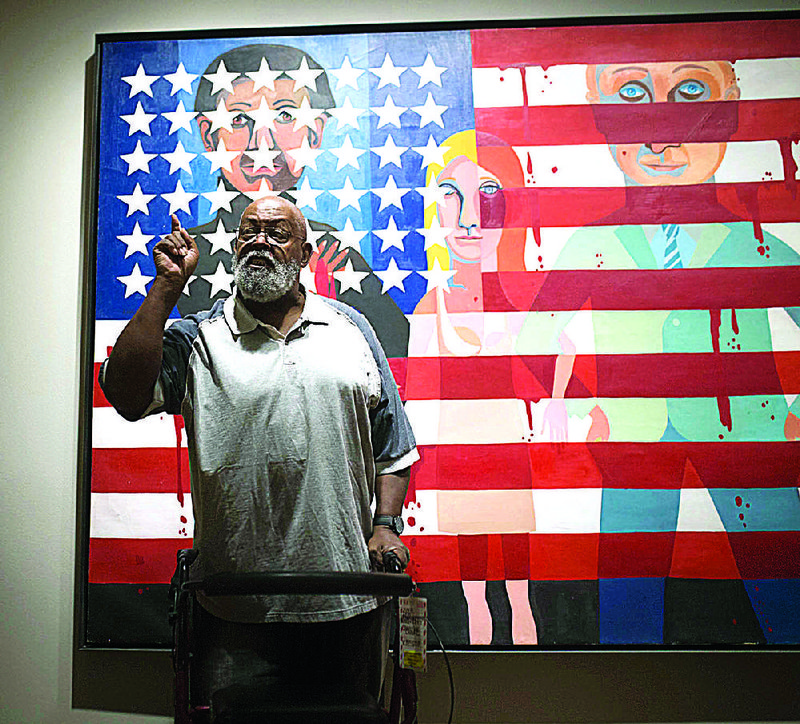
[[413, 633]]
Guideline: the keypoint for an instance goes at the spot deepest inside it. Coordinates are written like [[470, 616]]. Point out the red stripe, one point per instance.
[[538, 207], [667, 465], [98, 397], [709, 288], [134, 560], [635, 555], [757, 555], [767, 554], [630, 375], [599, 124], [631, 42], [138, 470], [522, 465]]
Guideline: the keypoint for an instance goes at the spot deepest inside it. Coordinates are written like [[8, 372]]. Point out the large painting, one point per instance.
[[580, 247]]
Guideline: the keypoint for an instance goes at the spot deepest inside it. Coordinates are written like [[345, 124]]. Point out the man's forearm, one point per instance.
[[390, 492], [134, 364]]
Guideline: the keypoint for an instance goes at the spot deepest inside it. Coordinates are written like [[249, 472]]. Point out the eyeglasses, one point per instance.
[[277, 234]]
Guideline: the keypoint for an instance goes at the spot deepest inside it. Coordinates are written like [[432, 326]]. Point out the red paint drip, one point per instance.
[[412, 521], [734, 322], [178, 422], [789, 164], [738, 501], [723, 401], [749, 196], [529, 166]]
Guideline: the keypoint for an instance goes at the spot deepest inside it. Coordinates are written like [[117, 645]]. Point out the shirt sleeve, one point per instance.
[[170, 387]]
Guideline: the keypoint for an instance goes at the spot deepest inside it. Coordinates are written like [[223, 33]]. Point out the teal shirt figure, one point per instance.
[[754, 417]]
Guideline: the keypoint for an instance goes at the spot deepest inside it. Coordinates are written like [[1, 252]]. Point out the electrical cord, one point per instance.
[[449, 673]]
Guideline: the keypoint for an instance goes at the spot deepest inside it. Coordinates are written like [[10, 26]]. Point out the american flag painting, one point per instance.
[[580, 248]]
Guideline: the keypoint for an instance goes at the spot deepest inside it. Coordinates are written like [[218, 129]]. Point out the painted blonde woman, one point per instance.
[[490, 524]]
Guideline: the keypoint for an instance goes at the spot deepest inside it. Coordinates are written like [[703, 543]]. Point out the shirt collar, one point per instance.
[[240, 321]]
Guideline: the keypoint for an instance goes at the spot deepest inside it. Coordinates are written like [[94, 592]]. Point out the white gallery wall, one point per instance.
[[44, 49]]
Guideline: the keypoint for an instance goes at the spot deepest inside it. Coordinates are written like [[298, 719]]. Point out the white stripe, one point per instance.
[[556, 511], [110, 430], [592, 166], [697, 511], [557, 85], [140, 515], [591, 331], [106, 332]]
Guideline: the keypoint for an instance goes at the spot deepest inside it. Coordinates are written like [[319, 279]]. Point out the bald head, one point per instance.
[[275, 208]]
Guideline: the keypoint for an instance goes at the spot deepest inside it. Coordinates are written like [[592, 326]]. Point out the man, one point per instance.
[[675, 143], [294, 427], [267, 119]]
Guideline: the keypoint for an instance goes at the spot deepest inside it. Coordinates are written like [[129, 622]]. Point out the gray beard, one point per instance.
[[264, 284]]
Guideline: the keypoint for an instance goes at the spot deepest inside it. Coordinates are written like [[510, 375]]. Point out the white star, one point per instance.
[[141, 82], [437, 277], [264, 77], [221, 79], [138, 160], [137, 201], [431, 194], [390, 195], [181, 80], [392, 276], [221, 158], [350, 236], [186, 286], [139, 120], [347, 75], [179, 158], [436, 234], [221, 117], [220, 198], [135, 282], [429, 72], [391, 236], [179, 118], [349, 278], [179, 199], [348, 195], [430, 112], [263, 157], [220, 281], [313, 236], [347, 154], [136, 241], [431, 152], [304, 156], [389, 152], [263, 116], [304, 115], [262, 191], [306, 196], [304, 77], [346, 115], [388, 113], [220, 239], [389, 73]]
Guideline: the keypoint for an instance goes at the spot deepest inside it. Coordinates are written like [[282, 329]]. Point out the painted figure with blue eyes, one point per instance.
[[658, 163]]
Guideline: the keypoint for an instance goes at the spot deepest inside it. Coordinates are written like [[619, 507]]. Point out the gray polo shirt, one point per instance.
[[286, 435]]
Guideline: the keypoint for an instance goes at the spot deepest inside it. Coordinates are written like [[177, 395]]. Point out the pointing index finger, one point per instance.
[[176, 225]]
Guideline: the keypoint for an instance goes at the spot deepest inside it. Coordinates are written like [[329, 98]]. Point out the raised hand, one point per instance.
[[176, 256]]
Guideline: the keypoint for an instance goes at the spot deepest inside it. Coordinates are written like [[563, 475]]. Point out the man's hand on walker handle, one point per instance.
[[385, 541]]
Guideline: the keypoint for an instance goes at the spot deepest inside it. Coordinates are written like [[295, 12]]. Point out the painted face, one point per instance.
[[249, 132], [657, 163], [473, 207]]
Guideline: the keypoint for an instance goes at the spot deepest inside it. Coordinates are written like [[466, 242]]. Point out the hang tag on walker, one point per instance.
[[413, 633]]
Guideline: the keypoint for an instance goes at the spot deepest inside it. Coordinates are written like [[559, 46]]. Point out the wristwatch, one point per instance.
[[392, 522]]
